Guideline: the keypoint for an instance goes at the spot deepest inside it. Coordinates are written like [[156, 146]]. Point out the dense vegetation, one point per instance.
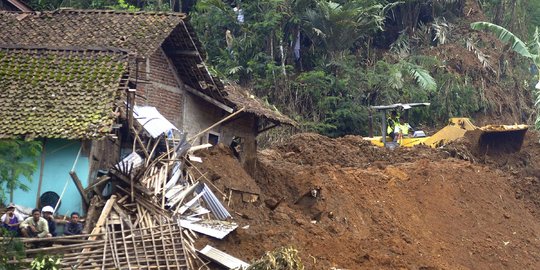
[[325, 62]]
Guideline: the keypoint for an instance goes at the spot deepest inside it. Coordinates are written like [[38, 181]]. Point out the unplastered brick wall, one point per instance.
[[161, 88], [244, 127]]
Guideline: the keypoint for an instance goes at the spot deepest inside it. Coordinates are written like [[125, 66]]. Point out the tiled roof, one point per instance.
[[138, 32], [241, 97], [141, 33], [59, 93]]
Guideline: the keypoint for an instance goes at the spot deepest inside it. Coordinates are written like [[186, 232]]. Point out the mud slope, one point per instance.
[[378, 209]]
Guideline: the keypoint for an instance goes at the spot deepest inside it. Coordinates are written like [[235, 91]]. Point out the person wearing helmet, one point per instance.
[[35, 226], [47, 212]]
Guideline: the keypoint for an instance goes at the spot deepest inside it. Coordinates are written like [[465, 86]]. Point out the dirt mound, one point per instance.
[[343, 203], [523, 166], [348, 151]]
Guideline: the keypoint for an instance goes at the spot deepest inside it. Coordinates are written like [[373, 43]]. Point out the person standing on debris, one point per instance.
[[73, 227], [11, 220], [35, 226], [47, 212]]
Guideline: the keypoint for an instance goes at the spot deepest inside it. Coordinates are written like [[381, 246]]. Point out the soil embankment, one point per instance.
[[346, 204]]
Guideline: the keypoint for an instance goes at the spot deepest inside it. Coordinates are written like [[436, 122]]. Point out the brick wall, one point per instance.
[[244, 127], [160, 88]]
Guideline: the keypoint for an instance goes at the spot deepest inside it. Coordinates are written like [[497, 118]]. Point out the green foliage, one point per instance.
[[17, 158], [336, 27], [45, 262], [11, 248], [530, 51], [129, 5], [284, 258], [505, 36], [336, 74]]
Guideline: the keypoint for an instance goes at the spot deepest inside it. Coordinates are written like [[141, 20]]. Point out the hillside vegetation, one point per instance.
[[325, 62]]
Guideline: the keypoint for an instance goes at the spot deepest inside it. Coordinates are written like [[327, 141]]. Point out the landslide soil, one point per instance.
[[374, 208]]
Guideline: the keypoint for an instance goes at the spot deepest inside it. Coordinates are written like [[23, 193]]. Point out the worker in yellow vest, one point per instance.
[[401, 130], [392, 122]]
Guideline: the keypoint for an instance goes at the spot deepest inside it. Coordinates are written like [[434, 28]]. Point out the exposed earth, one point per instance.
[[346, 204]]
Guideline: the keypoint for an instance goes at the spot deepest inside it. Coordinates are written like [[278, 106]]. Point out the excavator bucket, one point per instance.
[[494, 139], [486, 140]]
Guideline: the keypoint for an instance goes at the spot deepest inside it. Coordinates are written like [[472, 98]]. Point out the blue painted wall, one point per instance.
[[60, 156]]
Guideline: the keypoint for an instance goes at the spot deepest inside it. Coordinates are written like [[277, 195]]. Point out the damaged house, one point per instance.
[[73, 77]]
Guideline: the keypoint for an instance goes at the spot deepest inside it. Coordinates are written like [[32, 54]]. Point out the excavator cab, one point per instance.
[[385, 141]]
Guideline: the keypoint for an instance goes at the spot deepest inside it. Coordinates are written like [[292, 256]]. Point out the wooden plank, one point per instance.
[[102, 179], [126, 180], [80, 188], [125, 245], [174, 246], [122, 214], [41, 167], [103, 217]]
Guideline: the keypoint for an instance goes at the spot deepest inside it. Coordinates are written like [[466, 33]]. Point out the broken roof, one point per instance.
[[241, 97], [121, 29], [59, 92]]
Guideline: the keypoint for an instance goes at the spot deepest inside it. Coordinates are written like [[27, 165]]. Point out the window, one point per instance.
[[213, 138]]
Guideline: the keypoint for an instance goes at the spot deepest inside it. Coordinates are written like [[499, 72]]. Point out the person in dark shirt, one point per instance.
[[73, 227], [48, 215]]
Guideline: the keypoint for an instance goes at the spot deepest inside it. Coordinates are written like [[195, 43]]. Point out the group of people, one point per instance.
[[40, 224], [397, 128]]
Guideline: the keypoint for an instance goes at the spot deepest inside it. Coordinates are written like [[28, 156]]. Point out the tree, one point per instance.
[[531, 51], [17, 158]]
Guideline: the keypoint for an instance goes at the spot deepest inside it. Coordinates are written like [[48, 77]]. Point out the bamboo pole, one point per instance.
[[191, 139]]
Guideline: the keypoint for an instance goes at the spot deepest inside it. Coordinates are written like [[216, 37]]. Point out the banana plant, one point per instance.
[[531, 51]]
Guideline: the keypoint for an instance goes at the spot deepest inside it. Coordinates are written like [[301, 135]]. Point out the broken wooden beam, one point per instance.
[[80, 188]]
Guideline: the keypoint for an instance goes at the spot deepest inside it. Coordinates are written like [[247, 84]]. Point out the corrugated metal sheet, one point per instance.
[[223, 258], [214, 228], [213, 202], [152, 121]]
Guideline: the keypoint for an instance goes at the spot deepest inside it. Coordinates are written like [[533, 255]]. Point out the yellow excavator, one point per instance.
[[487, 138]]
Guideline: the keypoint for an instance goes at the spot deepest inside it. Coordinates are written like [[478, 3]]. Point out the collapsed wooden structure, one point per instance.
[[138, 224]]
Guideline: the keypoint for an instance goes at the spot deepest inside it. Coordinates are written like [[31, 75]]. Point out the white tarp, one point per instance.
[[152, 121]]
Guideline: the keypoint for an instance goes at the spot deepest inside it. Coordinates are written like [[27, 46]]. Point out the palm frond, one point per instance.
[[442, 30], [482, 57], [401, 46], [505, 36], [421, 76]]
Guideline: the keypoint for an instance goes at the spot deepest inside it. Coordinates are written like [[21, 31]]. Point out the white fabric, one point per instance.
[[19, 217], [152, 121]]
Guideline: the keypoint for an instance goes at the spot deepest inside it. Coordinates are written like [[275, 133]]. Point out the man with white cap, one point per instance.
[[48, 212], [35, 226], [11, 219]]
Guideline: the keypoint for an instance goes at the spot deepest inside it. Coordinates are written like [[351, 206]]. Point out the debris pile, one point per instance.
[[333, 203], [147, 209], [345, 204]]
